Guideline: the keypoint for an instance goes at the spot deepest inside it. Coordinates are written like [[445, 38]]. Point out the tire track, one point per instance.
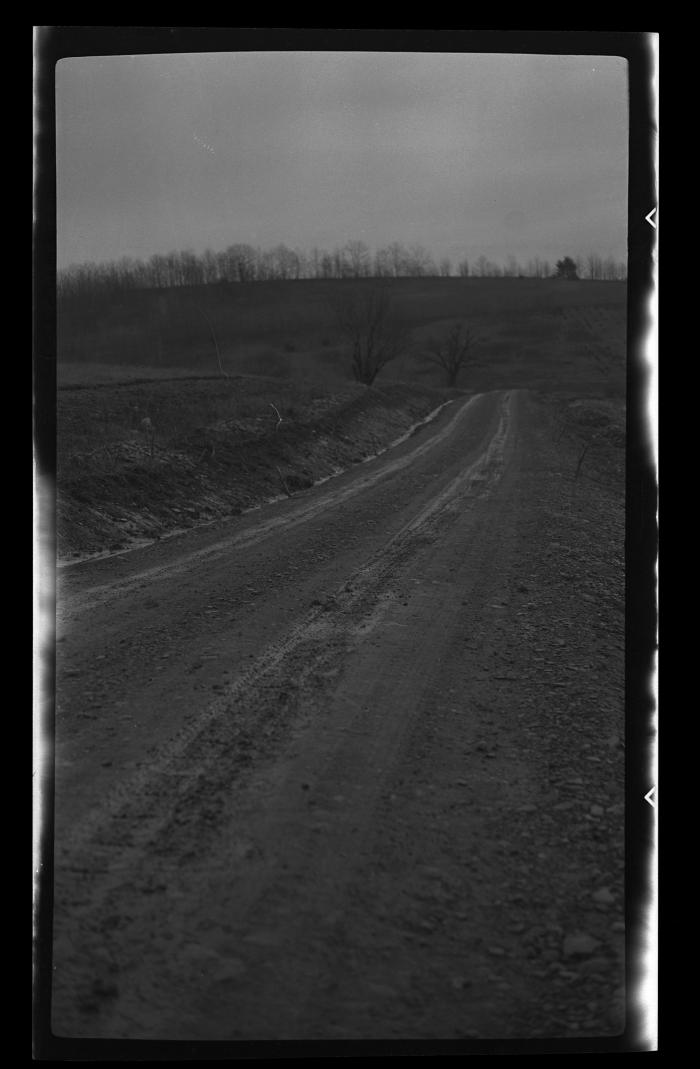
[[73, 605], [315, 629], [171, 806]]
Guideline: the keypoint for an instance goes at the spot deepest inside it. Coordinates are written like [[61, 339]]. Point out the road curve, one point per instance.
[[289, 750]]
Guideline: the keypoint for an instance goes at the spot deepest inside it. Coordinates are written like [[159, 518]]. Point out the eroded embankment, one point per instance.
[[139, 461]]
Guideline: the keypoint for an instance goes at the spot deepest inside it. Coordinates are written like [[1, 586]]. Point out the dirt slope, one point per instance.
[[209, 448], [352, 766]]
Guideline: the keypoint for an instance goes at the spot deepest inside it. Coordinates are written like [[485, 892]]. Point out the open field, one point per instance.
[[550, 334], [217, 446]]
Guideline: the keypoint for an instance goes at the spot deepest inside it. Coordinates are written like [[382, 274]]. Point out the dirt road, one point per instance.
[[351, 766]]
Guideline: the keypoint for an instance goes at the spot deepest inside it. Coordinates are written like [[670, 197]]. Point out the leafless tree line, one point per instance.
[[243, 263]]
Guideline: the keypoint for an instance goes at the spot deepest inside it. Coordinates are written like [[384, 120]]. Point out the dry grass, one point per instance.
[[215, 439], [219, 447], [565, 334], [100, 420]]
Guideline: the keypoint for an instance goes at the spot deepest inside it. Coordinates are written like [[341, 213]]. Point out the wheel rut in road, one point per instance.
[[304, 509], [171, 805], [314, 853]]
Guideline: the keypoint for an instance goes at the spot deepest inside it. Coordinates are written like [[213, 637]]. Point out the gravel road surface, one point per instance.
[[351, 766]]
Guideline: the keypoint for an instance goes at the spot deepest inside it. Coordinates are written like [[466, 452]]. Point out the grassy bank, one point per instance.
[[211, 448]]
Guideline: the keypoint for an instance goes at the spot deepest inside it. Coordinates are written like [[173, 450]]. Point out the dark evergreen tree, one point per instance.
[[566, 268]]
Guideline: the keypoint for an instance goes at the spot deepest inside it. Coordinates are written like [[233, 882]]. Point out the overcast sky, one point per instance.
[[462, 153]]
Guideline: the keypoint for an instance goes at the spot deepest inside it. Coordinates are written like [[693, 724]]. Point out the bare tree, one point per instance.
[[452, 351], [365, 318], [383, 264], [399, 259], [242, 263], [212, 334], [420, 262], [595, 266], [359, 256]]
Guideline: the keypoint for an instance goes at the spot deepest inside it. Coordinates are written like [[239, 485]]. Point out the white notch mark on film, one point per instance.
[[649, 219], [649, 799]]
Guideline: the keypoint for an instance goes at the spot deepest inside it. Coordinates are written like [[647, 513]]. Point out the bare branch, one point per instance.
[[287, 491], [213, 338], [582, 455], [365, 318], [279, 418], [452, 351]]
